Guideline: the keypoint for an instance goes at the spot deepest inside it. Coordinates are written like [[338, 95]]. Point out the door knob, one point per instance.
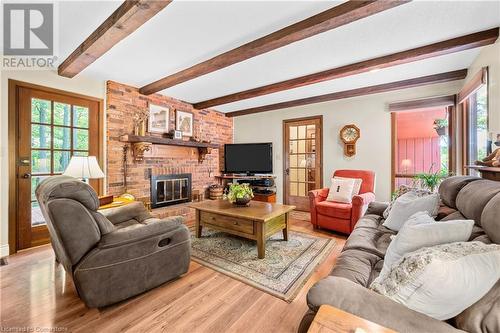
[[27, 175], [287, 171]]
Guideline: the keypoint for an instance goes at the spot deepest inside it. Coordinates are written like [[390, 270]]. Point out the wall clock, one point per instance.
[[349, 134]]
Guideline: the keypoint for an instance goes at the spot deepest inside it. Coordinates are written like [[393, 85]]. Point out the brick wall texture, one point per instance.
[[122, 103]]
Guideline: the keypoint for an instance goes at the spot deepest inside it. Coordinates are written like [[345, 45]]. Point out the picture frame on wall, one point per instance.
[[159, 118], [184, 122]]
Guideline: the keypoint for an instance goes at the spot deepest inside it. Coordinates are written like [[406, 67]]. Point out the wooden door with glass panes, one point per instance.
[[52, 127], [302, 142]]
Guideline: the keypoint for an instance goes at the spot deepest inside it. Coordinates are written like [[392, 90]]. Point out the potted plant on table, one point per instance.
[[239, 194]]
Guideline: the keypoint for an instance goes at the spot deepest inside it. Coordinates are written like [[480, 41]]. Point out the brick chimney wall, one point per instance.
[[122, 102]]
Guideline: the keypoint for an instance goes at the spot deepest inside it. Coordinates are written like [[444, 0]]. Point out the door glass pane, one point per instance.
[[40, 136], [62, 114], [302, 146], [293, 147], [61, 160], [80, 116], [62, 137], [293, 188], [294, 161], [40, 111], [40, 161], [311, 131], [293, 132], [310, 147], [302, 132], [80, 139], [293, 175], [302, 190], [81, 153], [311, 175], [36, 213], [301, 175]]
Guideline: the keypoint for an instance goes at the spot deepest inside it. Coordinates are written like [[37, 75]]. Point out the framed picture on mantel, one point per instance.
[[158, 119], [184, 122]]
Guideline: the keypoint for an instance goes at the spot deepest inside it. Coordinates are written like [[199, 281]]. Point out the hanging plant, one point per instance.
[[441, 125]]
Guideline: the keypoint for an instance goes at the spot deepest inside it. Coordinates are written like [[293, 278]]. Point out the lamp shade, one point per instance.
[[84, 167]]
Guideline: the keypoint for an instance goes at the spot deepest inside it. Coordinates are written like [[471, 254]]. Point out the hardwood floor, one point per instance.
[[35, 292]]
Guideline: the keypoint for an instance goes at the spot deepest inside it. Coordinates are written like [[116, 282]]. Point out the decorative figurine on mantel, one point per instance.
[[140, 120], [493, 159]]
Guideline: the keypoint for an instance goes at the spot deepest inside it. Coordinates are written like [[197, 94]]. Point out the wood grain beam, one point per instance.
[[337, 16], [124, 20], [433, 50], [441, 101], [404, 84]]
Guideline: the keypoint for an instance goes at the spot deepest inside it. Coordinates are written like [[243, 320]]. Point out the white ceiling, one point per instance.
[[188, 32]]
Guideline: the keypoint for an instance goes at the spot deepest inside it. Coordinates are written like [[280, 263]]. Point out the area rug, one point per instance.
[[282, 273]]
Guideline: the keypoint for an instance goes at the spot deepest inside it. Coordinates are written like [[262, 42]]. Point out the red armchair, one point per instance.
[[342, 217]]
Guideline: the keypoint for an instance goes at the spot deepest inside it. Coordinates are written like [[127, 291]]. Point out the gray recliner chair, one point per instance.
[[112, 254]]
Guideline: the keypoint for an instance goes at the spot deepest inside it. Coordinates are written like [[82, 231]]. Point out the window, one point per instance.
[[477, 125], [474, 101]]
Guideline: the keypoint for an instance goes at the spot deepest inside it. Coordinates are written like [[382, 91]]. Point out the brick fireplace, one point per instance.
[[122, 102]]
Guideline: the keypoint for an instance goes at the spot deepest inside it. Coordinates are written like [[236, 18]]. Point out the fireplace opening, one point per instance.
[[170, 189]]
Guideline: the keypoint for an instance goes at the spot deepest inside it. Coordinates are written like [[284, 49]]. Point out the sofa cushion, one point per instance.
[[449, 188], [443, 280], [370, 240], [334, 209], [409, 204], [490, 218], [358, 266], [472, 199], [482, 316]]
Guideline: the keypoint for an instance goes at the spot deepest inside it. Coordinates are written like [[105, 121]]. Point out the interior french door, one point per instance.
[[52, 127], [302, 158]]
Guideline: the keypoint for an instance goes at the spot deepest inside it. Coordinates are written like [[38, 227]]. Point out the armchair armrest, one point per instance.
[[134, 210], [360, 204], [316, 196], [135, 242], [362, 302], [152, 227]]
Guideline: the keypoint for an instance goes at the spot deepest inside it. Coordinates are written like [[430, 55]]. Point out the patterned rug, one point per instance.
[[282, 273]]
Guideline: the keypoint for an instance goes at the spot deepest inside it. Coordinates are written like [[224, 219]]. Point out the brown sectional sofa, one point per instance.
[[362, 259]]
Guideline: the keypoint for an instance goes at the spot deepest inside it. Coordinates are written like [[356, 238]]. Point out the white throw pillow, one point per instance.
[[357, 184], [409, 204], [444, 280], [341, 190], [422, 231]]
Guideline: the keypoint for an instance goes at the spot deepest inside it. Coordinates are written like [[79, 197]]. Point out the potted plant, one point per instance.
[[440, 125], [239, 194], [431, 180]]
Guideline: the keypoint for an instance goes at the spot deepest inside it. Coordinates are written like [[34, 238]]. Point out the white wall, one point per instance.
[[79, 84], [369, 113], [490, 56]]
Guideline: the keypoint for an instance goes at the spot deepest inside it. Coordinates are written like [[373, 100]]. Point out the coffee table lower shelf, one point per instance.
[[257, 222]]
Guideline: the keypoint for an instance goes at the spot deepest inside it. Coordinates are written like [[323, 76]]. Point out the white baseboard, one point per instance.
[[4, 250]]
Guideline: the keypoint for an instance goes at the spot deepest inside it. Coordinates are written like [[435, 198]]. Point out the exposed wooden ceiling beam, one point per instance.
[[124, 20], [410, 83], [332, 18], [441, 101], [433, 50]]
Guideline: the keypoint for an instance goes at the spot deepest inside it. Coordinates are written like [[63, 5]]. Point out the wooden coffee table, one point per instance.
[[258, 221]]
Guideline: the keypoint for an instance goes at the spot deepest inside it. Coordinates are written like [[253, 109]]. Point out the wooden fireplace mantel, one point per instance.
[[140, 144]]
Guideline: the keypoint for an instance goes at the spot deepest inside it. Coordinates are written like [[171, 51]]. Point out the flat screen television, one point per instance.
[[248, 158]]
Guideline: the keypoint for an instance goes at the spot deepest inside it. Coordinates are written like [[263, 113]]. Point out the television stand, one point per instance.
[[263, 186]]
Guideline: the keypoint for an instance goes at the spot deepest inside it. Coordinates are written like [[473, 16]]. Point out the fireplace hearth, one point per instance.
[[170, 189]]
